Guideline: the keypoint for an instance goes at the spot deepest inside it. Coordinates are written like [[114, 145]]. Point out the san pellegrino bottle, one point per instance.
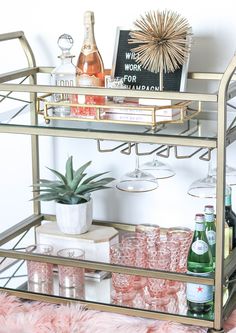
[[89, 68], [210, 228], [230, 216], [64, 75], [199, 263]]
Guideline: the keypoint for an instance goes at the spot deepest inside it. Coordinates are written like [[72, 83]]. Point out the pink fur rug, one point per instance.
[[34, 317]]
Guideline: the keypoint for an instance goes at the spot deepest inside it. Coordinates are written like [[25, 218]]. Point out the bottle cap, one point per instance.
[[65, 42], [89, 17], [199, 218], [209, 209]]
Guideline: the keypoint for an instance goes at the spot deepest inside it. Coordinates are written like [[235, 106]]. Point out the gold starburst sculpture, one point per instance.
[[162, 41]]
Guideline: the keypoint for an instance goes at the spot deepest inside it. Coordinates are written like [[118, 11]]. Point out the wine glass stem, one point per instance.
[[209, 173], [136, 163]]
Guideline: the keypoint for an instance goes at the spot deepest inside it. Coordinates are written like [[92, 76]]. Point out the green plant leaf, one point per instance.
[[89, 179], [59, 175], [97, 189], [92, 186], [104, 181], [69, 170], [51, 184], [79, 175], [46, 197]]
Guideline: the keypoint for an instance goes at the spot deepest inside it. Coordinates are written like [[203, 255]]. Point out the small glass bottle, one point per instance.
[[199, 263], [210, 228], [64, 75], [89, 68]]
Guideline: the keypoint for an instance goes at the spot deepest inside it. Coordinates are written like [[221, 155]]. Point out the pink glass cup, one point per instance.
[[174, 248], [39, 272], [138, 243], [124, 255], [151, 232], [184, 237], [42, 288], [71, 277], [157, 288]]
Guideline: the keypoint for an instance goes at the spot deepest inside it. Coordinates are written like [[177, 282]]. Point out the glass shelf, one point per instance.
[[194, 132], [99, 291]]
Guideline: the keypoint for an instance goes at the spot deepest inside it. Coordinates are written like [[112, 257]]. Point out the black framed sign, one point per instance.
[[134, 76]]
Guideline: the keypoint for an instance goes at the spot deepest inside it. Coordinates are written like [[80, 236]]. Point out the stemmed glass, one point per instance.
[[159, 169], [230, 173], [137, 180], [204, 187]]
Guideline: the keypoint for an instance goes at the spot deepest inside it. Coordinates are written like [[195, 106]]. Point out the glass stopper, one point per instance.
[[65, 43]]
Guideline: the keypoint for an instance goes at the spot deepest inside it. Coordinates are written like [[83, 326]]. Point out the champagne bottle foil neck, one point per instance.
[[209, 209], [200, 218], [89, 18]]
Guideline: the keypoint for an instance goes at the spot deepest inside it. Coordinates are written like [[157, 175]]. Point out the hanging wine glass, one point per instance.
[[204, 187], [158, 169], [230, 173], [137, 180]]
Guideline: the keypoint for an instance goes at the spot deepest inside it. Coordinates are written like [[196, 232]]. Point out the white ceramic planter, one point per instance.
[[74, 219]]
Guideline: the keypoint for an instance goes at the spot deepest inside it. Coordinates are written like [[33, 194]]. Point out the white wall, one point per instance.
[[214, 28]]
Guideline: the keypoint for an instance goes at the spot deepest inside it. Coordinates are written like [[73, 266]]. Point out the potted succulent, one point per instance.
[[72, 194]]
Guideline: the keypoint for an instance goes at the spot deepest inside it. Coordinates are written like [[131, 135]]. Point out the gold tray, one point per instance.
[[130, 113]]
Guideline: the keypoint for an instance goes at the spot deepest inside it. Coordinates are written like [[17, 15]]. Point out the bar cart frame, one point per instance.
[[223, 269]]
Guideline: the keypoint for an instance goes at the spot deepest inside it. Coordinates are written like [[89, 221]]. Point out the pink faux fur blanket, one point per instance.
[[34, 317]]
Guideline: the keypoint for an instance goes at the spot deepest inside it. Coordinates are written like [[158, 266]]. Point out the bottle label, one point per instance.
[[228, 200], [199, 247], [209, 218], [85, 80], [88, 49], [211, 237], [199, 226], [199, 293]]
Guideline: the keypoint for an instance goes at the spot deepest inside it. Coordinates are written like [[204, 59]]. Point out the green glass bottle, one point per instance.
[[230, 217], [200, 263], [210, 229]]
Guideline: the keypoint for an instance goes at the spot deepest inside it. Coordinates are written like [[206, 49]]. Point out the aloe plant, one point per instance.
[[71, 188]]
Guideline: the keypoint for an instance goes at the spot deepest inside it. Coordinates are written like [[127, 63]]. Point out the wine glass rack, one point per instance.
[[192, 132]]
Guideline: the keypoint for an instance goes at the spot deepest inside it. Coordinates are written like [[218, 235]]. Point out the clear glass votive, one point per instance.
[[39, 272], [71, 277], [115, 83]]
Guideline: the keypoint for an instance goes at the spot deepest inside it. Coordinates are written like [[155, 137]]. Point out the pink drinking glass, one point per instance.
[[122, 254], [40, 272], [184, 237], [174, 248], [151, 232], [157, 288], [71, 277], [137, 242], [42, 288]]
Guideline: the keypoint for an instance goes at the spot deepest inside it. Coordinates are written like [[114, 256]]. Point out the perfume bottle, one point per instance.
[[64, 75]]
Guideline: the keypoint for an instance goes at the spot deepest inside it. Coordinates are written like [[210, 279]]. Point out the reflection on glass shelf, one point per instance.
[[100, 291], [194, 127]]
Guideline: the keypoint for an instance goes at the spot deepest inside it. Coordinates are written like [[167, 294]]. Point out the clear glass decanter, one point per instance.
[[64, 75]]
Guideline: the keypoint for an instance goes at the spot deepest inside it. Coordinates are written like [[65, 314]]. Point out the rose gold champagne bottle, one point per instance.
[[90, 68]]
